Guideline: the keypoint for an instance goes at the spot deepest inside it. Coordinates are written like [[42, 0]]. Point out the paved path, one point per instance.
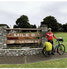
[[29, 59]]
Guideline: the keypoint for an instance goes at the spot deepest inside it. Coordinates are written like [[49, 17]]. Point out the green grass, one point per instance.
[[64, 35], [58, 63]]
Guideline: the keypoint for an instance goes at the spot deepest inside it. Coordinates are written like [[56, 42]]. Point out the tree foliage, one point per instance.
[[51, 22], [23, 22], [64, 27]]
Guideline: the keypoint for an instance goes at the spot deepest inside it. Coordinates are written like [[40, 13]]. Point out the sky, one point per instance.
[[36, 11]]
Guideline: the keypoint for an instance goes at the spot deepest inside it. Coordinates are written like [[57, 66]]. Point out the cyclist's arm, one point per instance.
[[46, 35], [54, 37]]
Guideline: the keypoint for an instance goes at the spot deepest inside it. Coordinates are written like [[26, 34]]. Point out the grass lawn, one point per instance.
[[64, 35], [58, 63]]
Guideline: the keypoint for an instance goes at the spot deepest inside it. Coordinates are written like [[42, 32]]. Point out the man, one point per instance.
[[49, 36]]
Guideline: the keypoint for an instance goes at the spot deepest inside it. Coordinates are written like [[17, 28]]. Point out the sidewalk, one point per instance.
[[29, 59]]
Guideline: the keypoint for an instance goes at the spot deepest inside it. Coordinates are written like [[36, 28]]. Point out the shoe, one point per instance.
[[52, 53]]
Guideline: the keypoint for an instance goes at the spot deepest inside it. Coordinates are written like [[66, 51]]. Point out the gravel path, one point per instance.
[[29, 59]]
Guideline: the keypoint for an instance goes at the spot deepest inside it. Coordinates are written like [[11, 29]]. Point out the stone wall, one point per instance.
[[3, 37], [3, 32], [20, 52], [43, 32]]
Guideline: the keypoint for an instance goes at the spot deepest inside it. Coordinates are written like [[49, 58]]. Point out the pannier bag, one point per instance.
[[48, 46]]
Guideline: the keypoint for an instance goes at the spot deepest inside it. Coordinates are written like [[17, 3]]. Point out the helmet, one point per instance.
[[49, 29]]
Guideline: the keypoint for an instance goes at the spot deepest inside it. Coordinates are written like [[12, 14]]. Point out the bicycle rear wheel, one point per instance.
[[61, 49], [45, 53]]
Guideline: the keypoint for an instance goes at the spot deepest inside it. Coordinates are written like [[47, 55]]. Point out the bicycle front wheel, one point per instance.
[[61, 49]]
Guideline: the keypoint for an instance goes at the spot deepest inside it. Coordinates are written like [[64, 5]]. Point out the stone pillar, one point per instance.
[[3, 37], [44, 31]]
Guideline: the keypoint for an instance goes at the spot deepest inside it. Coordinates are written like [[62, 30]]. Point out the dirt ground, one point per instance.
[[29, 59]]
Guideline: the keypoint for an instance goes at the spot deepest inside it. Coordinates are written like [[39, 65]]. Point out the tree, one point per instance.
[[33, 26], [60, 27], [51, 22], [23, 22], [64, 27]]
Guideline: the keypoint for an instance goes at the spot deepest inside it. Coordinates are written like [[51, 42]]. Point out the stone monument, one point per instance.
[[44, 30], [3, 37]]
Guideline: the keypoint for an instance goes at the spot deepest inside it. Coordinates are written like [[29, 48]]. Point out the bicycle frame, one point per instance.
[[58, 44]]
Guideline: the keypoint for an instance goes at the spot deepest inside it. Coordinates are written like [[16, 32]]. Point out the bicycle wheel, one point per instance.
[[46, 53], [61, 49]]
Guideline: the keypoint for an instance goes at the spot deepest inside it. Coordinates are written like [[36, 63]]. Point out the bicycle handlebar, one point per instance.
[[59, 40]]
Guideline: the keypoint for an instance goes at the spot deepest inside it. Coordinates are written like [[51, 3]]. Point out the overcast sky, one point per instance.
[[35, 10]]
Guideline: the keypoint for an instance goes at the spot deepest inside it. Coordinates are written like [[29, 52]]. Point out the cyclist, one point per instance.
[[49, 36]]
